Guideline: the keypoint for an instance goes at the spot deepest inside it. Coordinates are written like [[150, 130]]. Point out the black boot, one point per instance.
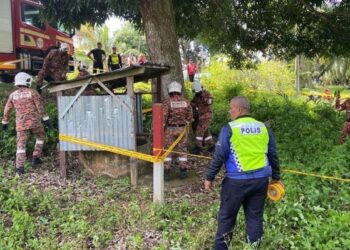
[[183, 173], [36, 162], [19, 171], [166, 174]]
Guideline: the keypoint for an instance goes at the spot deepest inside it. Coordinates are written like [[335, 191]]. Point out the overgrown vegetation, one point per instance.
[[39, 212]]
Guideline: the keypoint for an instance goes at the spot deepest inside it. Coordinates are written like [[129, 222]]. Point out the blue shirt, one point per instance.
[[223, 152]]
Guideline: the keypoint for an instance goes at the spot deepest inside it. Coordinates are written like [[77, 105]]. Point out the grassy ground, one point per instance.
[[40, 211]]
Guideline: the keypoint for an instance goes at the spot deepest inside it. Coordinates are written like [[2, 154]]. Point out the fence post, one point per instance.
[[158, 144]]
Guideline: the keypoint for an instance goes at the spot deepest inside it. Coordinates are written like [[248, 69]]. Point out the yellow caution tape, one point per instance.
[[315, 175], [146, 110], [160, 158], [112, 149], [171, 148], [122, 151], [283, 170], [275, 191]]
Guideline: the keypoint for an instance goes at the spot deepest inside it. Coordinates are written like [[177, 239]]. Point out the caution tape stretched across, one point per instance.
[[122, 151], [104, 147], [160, 158], [283, 170]]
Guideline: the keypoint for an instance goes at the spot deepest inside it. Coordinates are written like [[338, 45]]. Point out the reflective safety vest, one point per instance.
[[249, 144], [114, 59]]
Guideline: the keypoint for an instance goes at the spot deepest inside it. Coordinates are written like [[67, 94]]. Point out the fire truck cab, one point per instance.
[[25, 38]]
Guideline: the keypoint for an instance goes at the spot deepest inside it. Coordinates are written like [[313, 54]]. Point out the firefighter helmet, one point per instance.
[[64, 47], [197, 86], [82, 66], [174, 87], [23, 79]]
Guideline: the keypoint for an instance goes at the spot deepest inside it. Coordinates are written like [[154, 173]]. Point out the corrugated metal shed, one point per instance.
[[99, 119]]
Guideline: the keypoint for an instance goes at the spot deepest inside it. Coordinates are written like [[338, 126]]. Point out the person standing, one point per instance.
[[177, 112], [191, 70], [131, 59], [201, 105], [29, 111], [114, 60], [345, 105], [248, 150], [99, 55], [55, 65], [141, 59]]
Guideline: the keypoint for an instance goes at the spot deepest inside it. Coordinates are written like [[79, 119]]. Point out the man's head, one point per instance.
[[114, 49], [190, 61], [99, 45], [239, 106]]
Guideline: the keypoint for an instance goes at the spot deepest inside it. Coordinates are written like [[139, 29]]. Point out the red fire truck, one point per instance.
[[25, 38]]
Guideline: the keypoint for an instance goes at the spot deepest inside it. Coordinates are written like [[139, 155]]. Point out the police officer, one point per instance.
[[201, 105], [177, 114], [55, 65], [29, 111], [114, 60], [345, 105], [248, 151]]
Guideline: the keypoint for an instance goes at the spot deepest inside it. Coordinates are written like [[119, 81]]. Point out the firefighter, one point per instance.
[[114, 60], [29, 110], [83, 70], [201, 105], [345, 105], [177, 114], [55, 65]]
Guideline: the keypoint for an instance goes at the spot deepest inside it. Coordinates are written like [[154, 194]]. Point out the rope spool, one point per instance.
[[275, 191]]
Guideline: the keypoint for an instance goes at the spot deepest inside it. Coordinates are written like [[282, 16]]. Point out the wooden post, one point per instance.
[[159, 89], [62, 154], [133, 162], [158, 144]]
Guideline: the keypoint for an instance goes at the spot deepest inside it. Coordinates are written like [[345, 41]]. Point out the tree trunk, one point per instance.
[[159, 23]]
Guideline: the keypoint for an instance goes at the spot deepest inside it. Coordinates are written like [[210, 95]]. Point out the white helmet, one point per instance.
[[82, 66], [174, 87], [64, 47], [23, 79], [197, 86]]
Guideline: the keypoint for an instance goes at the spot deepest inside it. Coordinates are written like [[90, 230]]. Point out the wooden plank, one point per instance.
[[81, 90], [133, 172], [130, 92], [130, 86], [104, 87], [62, 154], [103, 77]]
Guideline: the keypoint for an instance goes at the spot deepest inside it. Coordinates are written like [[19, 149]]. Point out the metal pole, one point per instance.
[[158, 144]]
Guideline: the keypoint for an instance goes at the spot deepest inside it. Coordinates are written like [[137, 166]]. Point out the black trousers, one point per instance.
[[234, 193], [191, 77], [114, 67], [97, 65]]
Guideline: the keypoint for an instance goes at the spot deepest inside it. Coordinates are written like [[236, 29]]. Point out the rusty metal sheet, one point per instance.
[[101, 119]]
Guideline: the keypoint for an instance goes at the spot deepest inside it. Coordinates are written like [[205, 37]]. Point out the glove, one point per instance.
[[38, 88], [47, 124], [5, 126]]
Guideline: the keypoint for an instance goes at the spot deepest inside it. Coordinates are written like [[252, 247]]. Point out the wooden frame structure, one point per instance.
[[125, 77]]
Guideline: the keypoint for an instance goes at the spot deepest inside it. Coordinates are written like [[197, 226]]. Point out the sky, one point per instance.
[[114, 23]]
